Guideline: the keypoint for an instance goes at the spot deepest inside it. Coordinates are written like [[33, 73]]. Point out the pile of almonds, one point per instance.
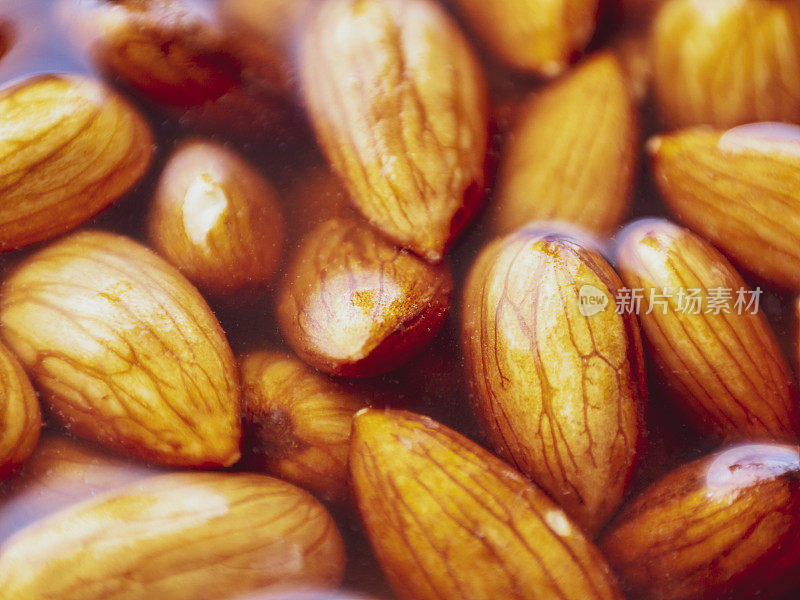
[[313, 299]]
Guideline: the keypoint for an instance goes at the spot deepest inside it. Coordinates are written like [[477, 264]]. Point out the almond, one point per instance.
[[20, 417], [572, 156], [722, 526], [739, 189], [398, 103], [449, 520], [218, 220], [638, 12], [727, 63], [707, 335], [557, 381], [353, 304], [125, 351], [178, 536], [69, 147], [536, 36], [297, 422]]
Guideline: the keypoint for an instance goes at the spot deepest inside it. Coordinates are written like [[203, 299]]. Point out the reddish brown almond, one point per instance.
[[537, 36], [638, 12], [739, 189], [398, 103], [715, 349], [723, 526], [181, 536], [353, 304], [218, 220], [727, 63], [20, 417], [557, 375], [449, 520], [69, 147], [124, 350], [297, 422], [572, 156]]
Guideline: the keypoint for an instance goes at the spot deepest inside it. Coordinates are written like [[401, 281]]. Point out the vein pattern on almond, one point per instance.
[[20, 416]]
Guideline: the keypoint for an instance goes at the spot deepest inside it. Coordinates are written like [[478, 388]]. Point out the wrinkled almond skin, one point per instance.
[[739, 189], [297, 422], [59, 473], [305, 595], [447, 519], [182, 536], [572, 155], [20, 417], [727, 63], [355, 305], [727, 370], [560, 394], [399, 106], [217, 220], [726, 525], [124, 350], [69, 147], [541, 37]]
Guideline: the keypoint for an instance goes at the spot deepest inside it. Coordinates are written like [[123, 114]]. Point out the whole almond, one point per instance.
[[715, 349], [353, 304], [20, 417], [218, 220], [297, 422], [727, 63], [739, 189], [725, 525], [398, 102], [558, 383], [537, 36], [124, 350], [181, 536], [572, 155], [449, 520], [69, 147]]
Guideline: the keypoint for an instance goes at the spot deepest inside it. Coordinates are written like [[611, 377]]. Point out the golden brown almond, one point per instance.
[[632, 47], [297, 422], [723, 526], [69, 147], [707, 333], [572, 156], [305, 595], [353, 304], [727, 63], [536, 36], [20, 417], [398, 103], [59, 473], [557, 374], [449, 520], [176, 54], [739, 189], [181, 536], [218, 220], [124, 350]]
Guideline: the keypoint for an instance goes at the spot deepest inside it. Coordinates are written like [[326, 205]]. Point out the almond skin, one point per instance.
[[124, 350], [535, 36], [218, 220], [182, 536], [725, 525], [399, 107], [727, 63], [353, 304], [69, 147], [559, 391], [447, 519], [726, 369], [572, 155], [297, 422], [20, 417], [739, 189]]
